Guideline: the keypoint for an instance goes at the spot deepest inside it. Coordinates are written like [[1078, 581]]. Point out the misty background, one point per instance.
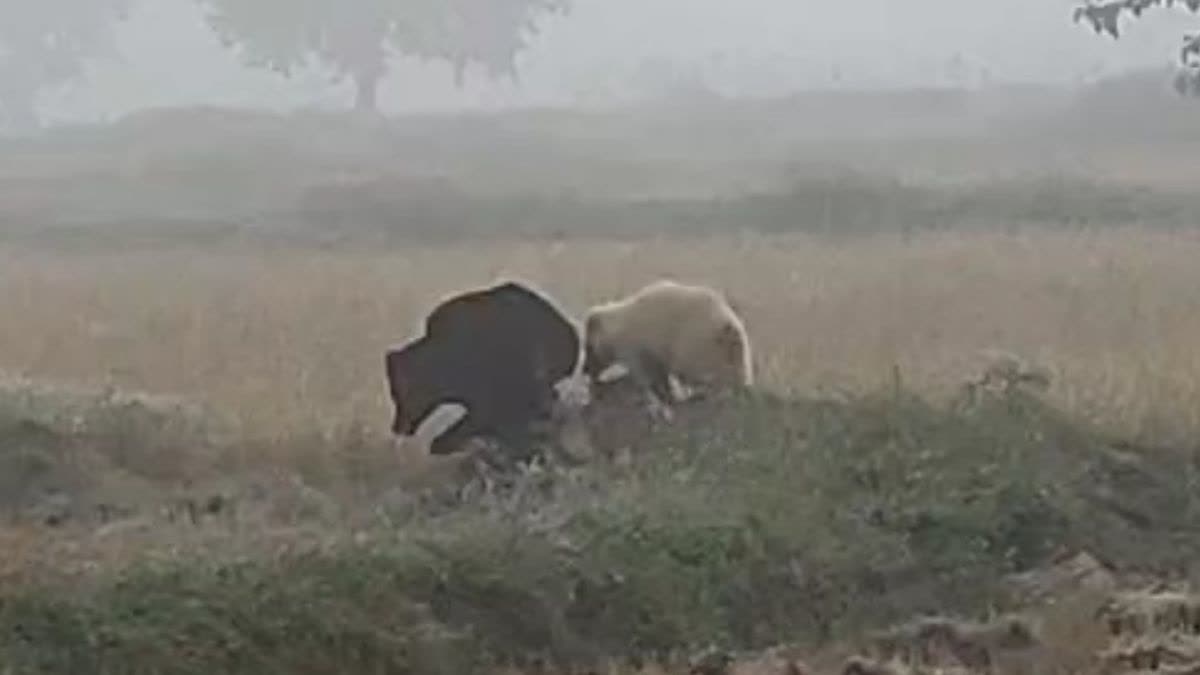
[[612, 118], [609, 52]]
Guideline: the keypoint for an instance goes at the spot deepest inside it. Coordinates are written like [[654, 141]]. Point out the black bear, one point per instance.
[[498, 352]]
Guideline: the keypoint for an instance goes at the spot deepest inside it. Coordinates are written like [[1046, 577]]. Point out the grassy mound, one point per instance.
[[64, 449], [772, 520]]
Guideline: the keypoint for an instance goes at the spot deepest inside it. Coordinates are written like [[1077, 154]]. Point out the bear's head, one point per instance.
[[413, 392], [598, 351]]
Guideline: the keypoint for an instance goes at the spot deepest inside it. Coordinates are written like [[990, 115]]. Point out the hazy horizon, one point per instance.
[[612, 51]]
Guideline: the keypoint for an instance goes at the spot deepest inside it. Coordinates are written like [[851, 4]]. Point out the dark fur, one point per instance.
[[498, 352]]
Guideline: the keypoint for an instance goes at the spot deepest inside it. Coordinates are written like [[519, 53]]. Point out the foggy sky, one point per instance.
[[609, 51]]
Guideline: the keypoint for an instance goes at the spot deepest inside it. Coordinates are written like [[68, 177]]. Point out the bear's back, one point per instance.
[[670, 311], [505, 321]]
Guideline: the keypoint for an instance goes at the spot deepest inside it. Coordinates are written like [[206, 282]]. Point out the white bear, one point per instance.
[[670, 329]]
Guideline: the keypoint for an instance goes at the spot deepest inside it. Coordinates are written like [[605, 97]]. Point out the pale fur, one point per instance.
[[680, 324]]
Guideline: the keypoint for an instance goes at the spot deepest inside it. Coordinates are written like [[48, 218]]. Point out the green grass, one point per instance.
[[773, 520]]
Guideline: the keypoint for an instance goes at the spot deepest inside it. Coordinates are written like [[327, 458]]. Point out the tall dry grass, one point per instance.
[[290, 341]]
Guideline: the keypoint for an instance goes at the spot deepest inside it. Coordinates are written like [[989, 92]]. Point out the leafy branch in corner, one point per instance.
[[1105, 17]]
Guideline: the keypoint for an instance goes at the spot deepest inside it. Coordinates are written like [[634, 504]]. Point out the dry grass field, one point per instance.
[[289, 342]]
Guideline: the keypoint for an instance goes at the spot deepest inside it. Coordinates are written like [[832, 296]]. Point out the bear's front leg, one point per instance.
[[654, 376], [454, 438]]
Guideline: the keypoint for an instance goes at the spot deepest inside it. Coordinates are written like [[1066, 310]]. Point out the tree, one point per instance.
[[357, 37], [1105, 16], [45, 44]]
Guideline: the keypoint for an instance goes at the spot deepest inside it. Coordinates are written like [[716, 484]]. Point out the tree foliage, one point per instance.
[[47, 43], [1104, 17], [356, 38]]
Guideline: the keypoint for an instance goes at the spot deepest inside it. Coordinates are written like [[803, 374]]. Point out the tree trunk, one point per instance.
[[366, 89]]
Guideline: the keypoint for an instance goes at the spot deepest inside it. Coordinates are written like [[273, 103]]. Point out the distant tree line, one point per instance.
[[48, 43]]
